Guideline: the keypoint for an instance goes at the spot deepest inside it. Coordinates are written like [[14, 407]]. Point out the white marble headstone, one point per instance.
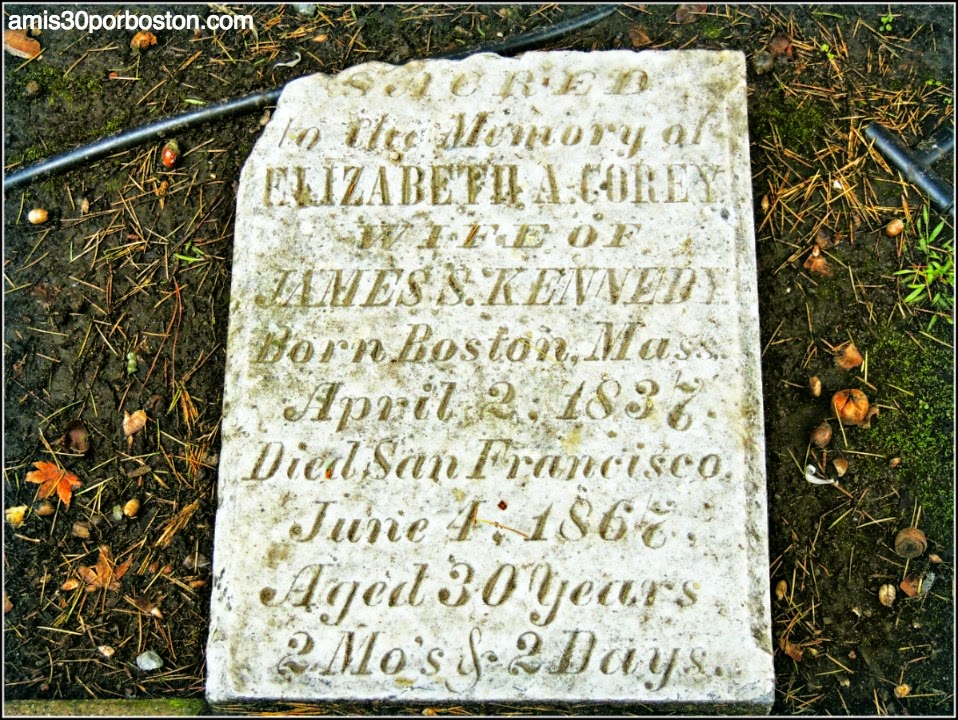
[[492, 427]]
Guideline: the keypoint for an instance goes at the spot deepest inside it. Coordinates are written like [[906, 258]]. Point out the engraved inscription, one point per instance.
[[492, 427]]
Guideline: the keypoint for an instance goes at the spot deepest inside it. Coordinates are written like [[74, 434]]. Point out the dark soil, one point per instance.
[[123, 306]]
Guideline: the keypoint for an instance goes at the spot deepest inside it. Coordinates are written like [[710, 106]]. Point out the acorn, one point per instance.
[[821, 435], [851, 408], [886, 594], [910, 543], [170, 154], [37, 216], [894, 228], [815, 386]]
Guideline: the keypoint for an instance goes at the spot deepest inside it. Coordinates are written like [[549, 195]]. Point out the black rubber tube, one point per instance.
[[941, 194], [250, 103], [930, 150]]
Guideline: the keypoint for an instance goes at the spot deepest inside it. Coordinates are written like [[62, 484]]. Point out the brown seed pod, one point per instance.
[[37, 216], [894, 228], [821, 435], [131, 508], [886, 594], [910, 543], [841, 466], [45, 509], [850, 406], [815, 386], [170, 155]]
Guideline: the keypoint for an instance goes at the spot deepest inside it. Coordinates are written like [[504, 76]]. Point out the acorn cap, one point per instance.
[[910, 543]]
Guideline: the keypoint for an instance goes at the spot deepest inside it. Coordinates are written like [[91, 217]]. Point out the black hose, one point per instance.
[[250, 103], [941, 194]]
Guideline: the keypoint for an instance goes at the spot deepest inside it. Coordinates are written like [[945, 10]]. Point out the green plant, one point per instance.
[[826, 48], [886, 22], [932, 279]]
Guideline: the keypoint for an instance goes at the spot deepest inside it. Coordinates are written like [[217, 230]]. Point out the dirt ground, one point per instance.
[[118, 303]]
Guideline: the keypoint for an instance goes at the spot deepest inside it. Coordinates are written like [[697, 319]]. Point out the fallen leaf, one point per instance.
[[77, 437], [70, 584], [793, 651], [817, 264], [17, 43], [104, 574], [909, 585], [781, 590], [781, 45], [639, 37], [51, 478], [16, 515], [133, 423], [686, 14], [142, 40]]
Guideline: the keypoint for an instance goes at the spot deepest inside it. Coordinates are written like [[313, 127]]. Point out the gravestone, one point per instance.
[[492, 425]]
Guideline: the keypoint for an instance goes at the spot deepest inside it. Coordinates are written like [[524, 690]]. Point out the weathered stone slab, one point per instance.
[[492, 424]]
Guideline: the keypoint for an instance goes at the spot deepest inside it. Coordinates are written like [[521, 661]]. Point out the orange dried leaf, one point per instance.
[[909, 586], [104, 574], [639, 37], [51, 478], [70, 584], [817, 264], [142, 40], [793, 651], [18, 44], [16, 515]]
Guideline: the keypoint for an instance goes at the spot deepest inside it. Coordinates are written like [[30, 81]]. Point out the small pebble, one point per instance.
[[117, 513], [149, 661]]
